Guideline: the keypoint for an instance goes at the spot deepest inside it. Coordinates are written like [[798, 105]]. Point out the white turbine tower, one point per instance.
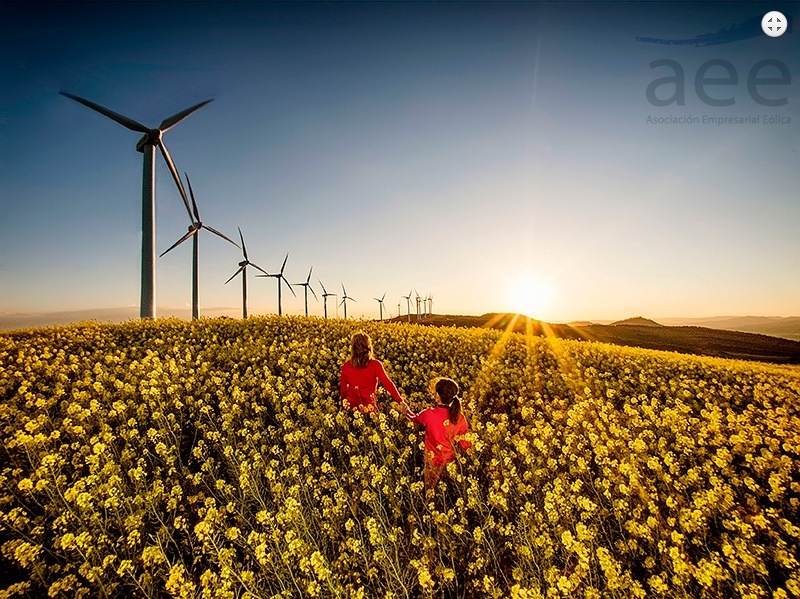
[[345, 297], [307, 286], [281, 278], [325, 296], [380, 302], [147, 146], [194, 229], [243, 269], [408, 304]]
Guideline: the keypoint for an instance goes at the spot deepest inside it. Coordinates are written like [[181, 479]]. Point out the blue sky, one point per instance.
[[495, 155]]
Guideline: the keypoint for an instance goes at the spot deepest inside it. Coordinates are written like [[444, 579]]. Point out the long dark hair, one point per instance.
[[448, 393]]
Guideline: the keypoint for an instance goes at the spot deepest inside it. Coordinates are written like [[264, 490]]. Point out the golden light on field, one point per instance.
[[530, 295]]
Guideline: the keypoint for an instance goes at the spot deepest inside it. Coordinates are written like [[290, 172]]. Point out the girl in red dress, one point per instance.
[[360, 376], [444, 424]]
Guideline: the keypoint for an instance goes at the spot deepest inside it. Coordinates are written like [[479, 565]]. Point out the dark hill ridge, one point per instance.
[[637, 321], [684, 339]]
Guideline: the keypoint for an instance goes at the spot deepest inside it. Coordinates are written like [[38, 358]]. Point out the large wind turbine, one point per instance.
[[147, 146], [280, 278], [380, 302], [408, 304], [307, 286], [194, 229], [243, 269], [325, 296], [345, 297]]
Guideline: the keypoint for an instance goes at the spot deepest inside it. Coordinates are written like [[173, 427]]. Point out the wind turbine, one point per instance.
[[194, 229], [418, 300], [325, 296], [408, 304], [147, 146], [380, 303], [308, 286], [345, 297], [243, 269], [280, 278]]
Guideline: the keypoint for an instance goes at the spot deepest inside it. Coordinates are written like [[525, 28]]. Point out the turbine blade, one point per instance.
[[244, 249], [180, 241], [259, 268], [170, 122], [241, 268], [383, 297], [194, 202], [325, 291], [308, 279], [114, 116], [176, 176], [284, 263], [311, 289], [215, 232], [289, 284]]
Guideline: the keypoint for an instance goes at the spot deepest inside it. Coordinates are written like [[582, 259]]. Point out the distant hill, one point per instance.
[[786, 327], [689, 340], [637, 321]]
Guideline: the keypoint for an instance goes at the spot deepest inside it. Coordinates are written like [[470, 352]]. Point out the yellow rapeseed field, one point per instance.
[[211, 460]]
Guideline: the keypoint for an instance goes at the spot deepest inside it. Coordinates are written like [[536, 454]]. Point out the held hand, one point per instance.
[[406, 410]]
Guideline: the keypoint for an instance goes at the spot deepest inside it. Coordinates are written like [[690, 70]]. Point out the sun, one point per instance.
[[530, 295]]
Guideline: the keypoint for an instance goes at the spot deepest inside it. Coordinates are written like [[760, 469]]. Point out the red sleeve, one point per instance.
[[387, 382], [420, 418], [343, 382]]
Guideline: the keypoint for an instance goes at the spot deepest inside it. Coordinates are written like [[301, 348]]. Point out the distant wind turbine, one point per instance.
[[380, 302], [194, 229], [325, 296], [345, 297], [418, 301], [243, 269], [280, 278], [307, 286], [408, 304], [147, 146]]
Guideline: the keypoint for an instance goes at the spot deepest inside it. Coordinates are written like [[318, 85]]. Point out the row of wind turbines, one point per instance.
[[153, 138]]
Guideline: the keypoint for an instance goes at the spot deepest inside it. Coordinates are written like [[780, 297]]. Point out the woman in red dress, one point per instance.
[[360, 376]]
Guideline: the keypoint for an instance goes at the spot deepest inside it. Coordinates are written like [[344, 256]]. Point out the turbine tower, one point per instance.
[[380, 302], [280, 278], [325, 296], [408, 304], [147, 146], [345, 297], [194, 229], [307, 286], [243, 269]]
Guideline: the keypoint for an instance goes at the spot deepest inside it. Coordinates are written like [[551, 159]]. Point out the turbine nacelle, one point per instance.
[[151, 138]]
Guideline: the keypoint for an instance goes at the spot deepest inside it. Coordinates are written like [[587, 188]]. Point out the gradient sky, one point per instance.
[[495, 155]]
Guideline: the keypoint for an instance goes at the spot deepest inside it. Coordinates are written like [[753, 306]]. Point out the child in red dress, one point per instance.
[[360, 376], [443, 424]]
